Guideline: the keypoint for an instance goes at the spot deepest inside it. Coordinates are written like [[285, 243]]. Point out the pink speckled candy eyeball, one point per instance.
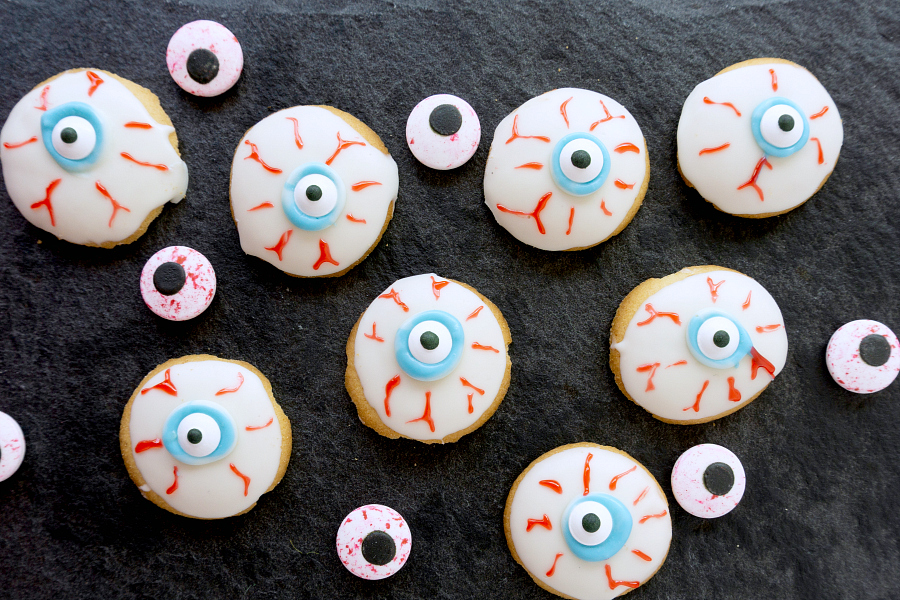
[[443, 132], [863, 356], [708, 481], [178, 283], [204, 58], [12, 446], [374, 542]]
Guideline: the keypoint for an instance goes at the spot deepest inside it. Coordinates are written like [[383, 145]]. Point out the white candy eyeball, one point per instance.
[[315, 195], [443, 132], [708, 481], [430, 342], [74, 137], [581, 160], [718, 338], [590, 523], [781, 126], [199, 435]]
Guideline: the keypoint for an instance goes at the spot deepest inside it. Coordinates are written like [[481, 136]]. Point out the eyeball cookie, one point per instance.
[[863, 357], [428, 360], [204, 58], [12, 446], [443, 132], [178, 283], [91, 158], [759, 138], [312, 190], [567, 170], [708, 481], [588, 522], [374, 542], [203, 437], [697, 345]]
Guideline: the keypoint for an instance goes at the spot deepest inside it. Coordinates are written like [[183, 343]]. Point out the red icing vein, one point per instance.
[[696, 405], [515, 133], [9, 146], [536, 214], [246, 479], [297, 139], [615, 480], [46, 201], [426, 416], [254, 155], [324, 256], [224, 391], [282, 242], [165, 385], [587, 474], [552, 484], [545, 523], [728, 104], [116, 206], [145, 445], [388, 388], [752, 181], [653, 314], [342, 145], [396, 298]]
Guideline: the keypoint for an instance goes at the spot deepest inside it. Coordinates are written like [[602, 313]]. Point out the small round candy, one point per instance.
[[204, 58], [862, 356], [178, 283], [708, 481], [374, 542], [443, 132], [12, 446]]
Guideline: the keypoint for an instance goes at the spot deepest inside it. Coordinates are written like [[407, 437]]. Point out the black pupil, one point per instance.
[[314, 193], [429, 340], [194, 436], [718, 478], [581, 159], [874, 350], [202, 65], [721, 338], [68, 135], [169, 278], [378, 548], [445, 119], [590, 522], [786, 122]]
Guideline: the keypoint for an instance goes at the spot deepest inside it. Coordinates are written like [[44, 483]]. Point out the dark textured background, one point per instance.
[[819, 518]]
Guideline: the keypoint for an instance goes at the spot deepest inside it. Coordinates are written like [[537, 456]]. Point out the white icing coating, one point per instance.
[[217, 39], [521, 189], [376, 363], [199, 286], [438, 151], [717, 175], [573, 576], [12, 446], [676, 386], [213, 490], [81, 212], [252, 185], [357, 525], [689, 489], [849, 370]]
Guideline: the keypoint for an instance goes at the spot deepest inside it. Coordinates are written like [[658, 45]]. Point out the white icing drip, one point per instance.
[[213, 490], [521, 189], [81, 212], [376, 363], [251, 185], [664, 342], [573, 576], [717, 175]]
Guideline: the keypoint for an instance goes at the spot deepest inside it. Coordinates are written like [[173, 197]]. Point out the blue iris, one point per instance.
[[768, 148], [289, 204], [621, 529], [72, 109], [424, 371], [744, 345], [574, 187], [224, 421]]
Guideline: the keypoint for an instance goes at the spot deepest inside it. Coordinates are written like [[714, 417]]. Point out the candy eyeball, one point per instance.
[[12, 446], [374, 542], [863, 356], [443, 132], [178, 283], [204, 58], [708, 481]]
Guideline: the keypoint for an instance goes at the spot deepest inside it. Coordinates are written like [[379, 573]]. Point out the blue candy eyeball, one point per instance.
[[73, 135], [313, 197], [199, 432], [580, 164], [717, 340], [780, 127], [596, 527], [429, 345]]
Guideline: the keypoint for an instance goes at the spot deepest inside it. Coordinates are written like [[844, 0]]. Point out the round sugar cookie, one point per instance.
[[428, 360], [588, 522], [12, 446], [203, 437], [708, 481], [178, 283], [759, 138], [863, 356], [443, 132], [567, 170], [204, 58], [374, 542], [91, 158], [312, 190], [697, 345]]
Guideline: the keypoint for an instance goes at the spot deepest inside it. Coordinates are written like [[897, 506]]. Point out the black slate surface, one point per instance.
[[819, 518]]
